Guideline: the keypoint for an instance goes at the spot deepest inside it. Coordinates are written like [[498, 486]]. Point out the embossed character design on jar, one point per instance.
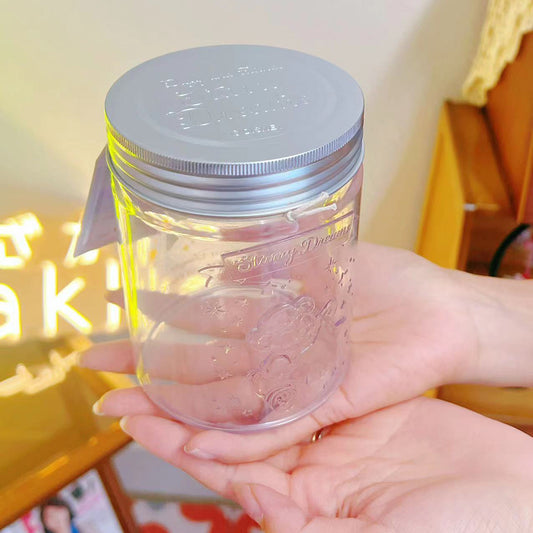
[[236, 173]]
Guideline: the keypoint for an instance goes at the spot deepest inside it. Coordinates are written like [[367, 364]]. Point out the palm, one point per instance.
[[407, 336], [423, 465], [398, 467]]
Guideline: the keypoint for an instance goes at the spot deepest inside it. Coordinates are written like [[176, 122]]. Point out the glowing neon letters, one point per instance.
[[18, 230], [58, 308], [26, 382]]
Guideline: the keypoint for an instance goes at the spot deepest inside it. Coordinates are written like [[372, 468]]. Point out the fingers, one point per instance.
[[277, 513], [218, 314], [195, 363], [168, 358], [211, 383], [341, 525], [127, 402], [230, 402], [226, 402], [114, 356], [166, 439], [237, 448], [228, 312], [115, 296], [133, 402], [232, 311]]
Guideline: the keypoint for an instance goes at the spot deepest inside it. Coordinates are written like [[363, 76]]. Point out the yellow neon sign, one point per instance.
[[71, 289], [10, 309], [25, 382], [18, 230], [56, 303]]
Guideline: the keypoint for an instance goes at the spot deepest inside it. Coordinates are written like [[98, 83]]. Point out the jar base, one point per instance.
[[260, 426]]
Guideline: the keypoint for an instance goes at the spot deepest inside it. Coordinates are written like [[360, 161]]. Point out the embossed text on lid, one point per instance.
[[232, 111]]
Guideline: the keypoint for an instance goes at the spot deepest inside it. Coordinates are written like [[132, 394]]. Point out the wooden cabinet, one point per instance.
[[467, 211], [509, 113], [479, 189]]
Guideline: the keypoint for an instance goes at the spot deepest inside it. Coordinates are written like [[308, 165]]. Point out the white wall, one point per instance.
[[60, 56]]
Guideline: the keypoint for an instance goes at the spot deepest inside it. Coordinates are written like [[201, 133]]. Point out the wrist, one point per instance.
[[501, 312]]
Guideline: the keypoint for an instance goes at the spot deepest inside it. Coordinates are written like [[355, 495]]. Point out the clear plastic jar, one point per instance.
[[237, 234], [239, 324]]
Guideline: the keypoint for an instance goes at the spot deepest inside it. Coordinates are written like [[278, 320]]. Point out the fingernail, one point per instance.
[[124, 424], [248, 501], [196, 452], [97, 406]]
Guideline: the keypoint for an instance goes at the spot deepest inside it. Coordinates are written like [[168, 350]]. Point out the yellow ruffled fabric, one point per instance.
[[505, 24]]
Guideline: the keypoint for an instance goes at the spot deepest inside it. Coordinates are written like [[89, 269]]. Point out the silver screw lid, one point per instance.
[[235, 130]]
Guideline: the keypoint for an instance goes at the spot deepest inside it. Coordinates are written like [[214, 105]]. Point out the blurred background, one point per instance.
[[448, 173], [61, 57]]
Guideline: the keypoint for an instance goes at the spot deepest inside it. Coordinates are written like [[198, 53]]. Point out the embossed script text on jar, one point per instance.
[[284, 252]]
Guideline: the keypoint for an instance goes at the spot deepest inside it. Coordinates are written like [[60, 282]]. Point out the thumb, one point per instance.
[[277, 513], [274, 512]]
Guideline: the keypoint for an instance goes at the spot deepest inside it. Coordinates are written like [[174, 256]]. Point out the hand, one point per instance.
[[411, 332], [423, 465]]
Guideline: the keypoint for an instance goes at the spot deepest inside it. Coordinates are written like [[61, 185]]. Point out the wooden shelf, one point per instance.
[[467, 210], [50, 438]]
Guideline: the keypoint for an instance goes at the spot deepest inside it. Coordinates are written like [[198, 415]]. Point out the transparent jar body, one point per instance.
[[239, 324]]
